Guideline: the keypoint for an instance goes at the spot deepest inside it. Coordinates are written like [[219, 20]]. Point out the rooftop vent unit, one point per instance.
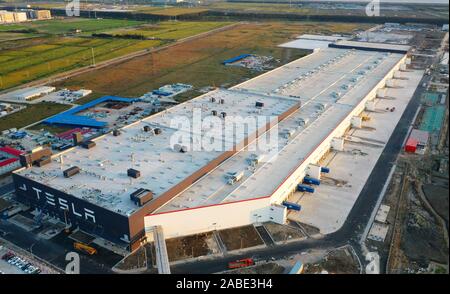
[[180, 148], [214, 112], [289, 133], [303, 121], [233, 177], [30, 158], [147, 128], [223, 114], [336, 94], [157, 131], [259, 104], [71, 171], [88, 144], [141, 196], [116, 133], [213, 99], [77, 138], [134, 173], [43, 161]]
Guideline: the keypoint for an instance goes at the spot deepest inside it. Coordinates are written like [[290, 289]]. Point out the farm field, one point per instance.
[[52, 55], [199, 62], [68, 25], [170, 30], [8, 36], [170, 11], [59, 55], [31, 114]]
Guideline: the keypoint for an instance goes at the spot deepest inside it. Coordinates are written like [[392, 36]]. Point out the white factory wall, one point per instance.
[[214, 217]]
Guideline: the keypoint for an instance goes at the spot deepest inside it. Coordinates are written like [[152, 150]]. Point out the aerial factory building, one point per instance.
[[186, 171]]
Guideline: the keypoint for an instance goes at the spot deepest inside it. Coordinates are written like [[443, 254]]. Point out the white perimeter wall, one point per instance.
[[209, 218]]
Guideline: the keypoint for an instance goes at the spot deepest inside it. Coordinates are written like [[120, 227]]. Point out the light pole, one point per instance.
[[93, 57]]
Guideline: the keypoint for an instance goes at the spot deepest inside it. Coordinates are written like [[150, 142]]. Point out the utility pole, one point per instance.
[[93, 56]]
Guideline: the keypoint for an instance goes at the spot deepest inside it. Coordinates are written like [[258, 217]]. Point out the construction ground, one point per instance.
[[218, 243]]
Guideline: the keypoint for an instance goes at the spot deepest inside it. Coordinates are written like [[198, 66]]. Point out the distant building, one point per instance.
[[43, 14], [20, 16], [6, 17], [38, 14], [33, 92], [9, 159], [12, 16], [417, 141]]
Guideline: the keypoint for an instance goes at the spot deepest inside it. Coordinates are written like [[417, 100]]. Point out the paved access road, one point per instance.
[[54, 251]]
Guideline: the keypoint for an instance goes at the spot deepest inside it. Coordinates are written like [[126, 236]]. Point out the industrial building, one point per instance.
[[23, 15], [32, 92], [12, 17], [139, 178], [9, 159]]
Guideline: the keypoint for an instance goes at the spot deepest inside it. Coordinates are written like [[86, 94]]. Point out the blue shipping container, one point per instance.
[[304, 188], [311, 181], [324, 170], [293, 206]]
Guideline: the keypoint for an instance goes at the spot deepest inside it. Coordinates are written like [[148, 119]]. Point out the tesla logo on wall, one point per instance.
[[61, 203]]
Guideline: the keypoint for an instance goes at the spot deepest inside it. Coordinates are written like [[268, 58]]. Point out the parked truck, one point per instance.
[[84, 248], [241, 263], [235, 177]]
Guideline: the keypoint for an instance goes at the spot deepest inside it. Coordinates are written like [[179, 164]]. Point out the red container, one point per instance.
[[411, 145]]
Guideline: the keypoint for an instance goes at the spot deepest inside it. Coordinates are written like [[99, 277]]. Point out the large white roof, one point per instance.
[[315, 92], [313, 80]]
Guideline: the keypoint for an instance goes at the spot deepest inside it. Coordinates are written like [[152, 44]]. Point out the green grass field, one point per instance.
[[58, 55], [8, 36], [31, 114], [170, 11], [170, 30], [27, 60], [64, 26]]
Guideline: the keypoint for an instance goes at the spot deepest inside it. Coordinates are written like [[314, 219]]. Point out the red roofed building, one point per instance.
[[9, 159]]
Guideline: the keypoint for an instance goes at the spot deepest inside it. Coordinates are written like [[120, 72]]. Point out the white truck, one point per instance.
[[234, 177]]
